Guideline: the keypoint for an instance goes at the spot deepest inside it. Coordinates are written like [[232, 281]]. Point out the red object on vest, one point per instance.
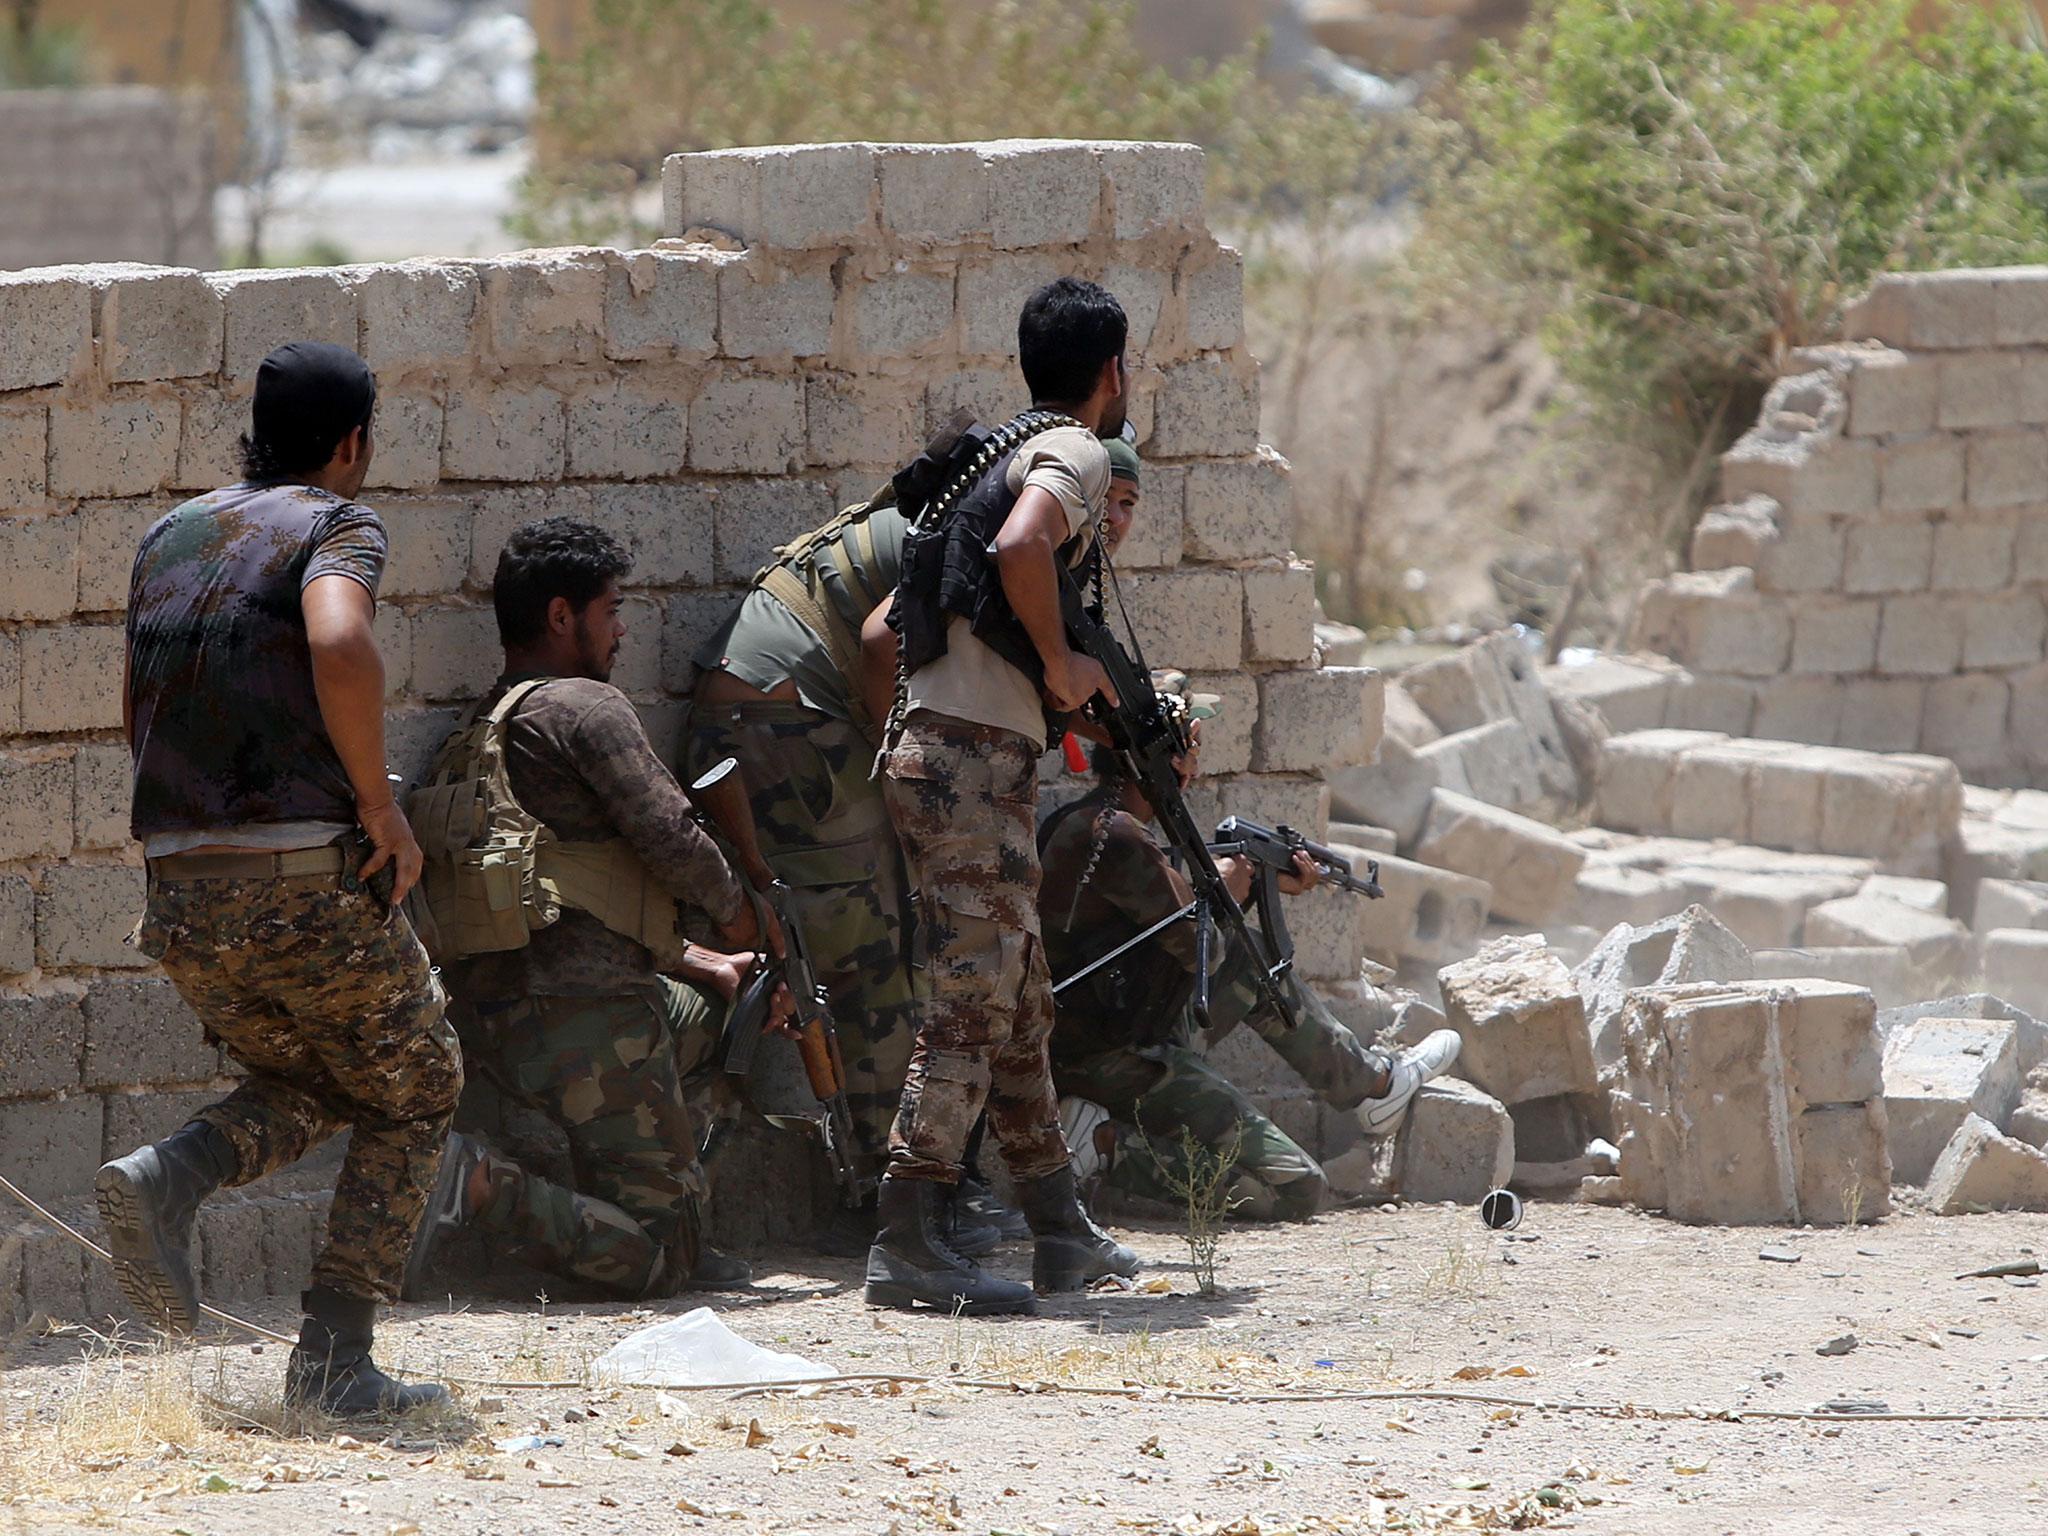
[[1076, 754]]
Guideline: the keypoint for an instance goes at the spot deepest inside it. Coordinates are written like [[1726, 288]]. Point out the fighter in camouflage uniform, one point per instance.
[[781, 689], [254, 705], [1123, 1042], [574, 1018]]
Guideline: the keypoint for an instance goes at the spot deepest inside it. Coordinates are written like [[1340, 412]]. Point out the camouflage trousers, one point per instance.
[[963, 801], [824, 830], [325, 997], [1158, 1093], [610, 1073]]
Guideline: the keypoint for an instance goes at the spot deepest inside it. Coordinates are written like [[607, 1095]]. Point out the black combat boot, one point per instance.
[[1071, 1249], [717, 1271], [978, 1205], [912, 1262], [147, 1202], [964, 1234], [330, 1368]]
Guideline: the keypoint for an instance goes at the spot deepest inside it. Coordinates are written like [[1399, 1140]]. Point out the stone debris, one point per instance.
[[1938, 1071], [1937, 948], [1693, 946], [1458, 1144], [1980, 1170], [1521, 1020], [1428, 915], [1630, 693], [1530, 866], [1883, 972], [2016, 966], [2010, 904]]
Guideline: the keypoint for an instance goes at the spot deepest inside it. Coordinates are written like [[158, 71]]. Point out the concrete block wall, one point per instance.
[[1879, 575], [705, 399]]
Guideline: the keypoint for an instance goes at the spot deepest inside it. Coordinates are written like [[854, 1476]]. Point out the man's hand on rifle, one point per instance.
[[1237, 876], [1071, 683], [756, 926]]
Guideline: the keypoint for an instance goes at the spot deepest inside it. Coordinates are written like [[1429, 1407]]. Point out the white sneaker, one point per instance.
[[1079, 1119], [1412, 1068]]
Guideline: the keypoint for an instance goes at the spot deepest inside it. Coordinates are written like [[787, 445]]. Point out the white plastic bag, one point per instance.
[[697, 1350]]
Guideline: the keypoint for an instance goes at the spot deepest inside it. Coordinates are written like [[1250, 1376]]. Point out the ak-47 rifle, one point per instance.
[[1149, 737], [817, 1041], [1270, 851]]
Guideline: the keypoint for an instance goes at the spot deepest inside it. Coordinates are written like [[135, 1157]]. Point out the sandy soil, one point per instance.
[[1581, 1306]]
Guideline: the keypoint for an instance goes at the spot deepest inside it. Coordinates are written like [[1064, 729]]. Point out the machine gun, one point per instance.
[[1148, 737], [817, 1041], [1271, 851]]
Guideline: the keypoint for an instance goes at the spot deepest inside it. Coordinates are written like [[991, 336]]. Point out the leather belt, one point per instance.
[[329, 860]]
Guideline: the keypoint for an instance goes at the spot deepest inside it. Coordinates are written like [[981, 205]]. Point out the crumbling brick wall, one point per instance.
[[704, 399], [1876, 578]]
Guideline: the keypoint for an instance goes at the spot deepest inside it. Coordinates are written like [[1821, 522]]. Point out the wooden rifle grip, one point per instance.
[[821, 1064]]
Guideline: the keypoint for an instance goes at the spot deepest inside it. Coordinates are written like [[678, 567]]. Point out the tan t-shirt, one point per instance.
[[971, 682]]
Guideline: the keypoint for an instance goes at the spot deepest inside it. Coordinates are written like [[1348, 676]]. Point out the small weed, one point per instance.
[[1200, 1178]]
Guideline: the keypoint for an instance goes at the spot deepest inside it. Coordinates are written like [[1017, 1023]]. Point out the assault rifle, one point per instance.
[[1148, 737], [817, 1041], [1271, 851]]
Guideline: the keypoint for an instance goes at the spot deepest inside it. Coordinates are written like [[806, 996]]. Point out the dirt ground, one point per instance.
[[1581, 1306]]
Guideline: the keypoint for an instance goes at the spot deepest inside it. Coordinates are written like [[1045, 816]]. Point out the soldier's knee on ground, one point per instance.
[[1254, 1199]]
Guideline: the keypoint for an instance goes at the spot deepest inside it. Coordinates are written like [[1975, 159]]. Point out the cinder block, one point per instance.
[[455, 652], [413, 736], [1807, 555], [626, 432], [84, 914], [798, 197], [2010, 904], [2016, 967], [1879, 807], [992, 294], [668, 529], [1965, 719], [1689, 948], [1980, 1170], [1835, 636], [45, 1034], [407, 435], [1633, 789], [1531, 868], [1881, 714], [138, 1030], [773, 311], [906, 313], [104, 786], [2007, 469], [1785, 808], [1884, 973], [125, 446], [1521, 1021], [1143, 292], [1937, 1071], [1212, 298], [688, 620], [856, 418], [17, 925], [1630, 692], [1227, 739], [292, 1227], [208, 441], [1317, 718], [991, 395], [267, 308], [417, 315], [1921, 474], [1799, 708], [391, 633], [71, 678], [1279, 611], [1974, 556], [2003, 629], [744, 425], [1041, 191], [1816, 473], [24, 454], [1980, 389], [231, 1237], [1153, 188], [1833, 1049], [1191, 619], [1712, 790], [750, 518], [1893, 392], [504, 433], [1457, 1144], [46, 318], [51, 1147], [664, 304], [1734, 535], [1606, 895], [156, 323], [1845, 1173], [545, 307], [1944, 310], [109, 532], [1889, 557], [38, 562], [1431, 915], [1240, 510], [932, 194], [1920, 636], [1204, 407], [1393, 792], [430, 548], [1725, 705]]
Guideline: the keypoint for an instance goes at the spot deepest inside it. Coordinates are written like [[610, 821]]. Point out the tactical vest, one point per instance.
[[494, 873], [949, 567], [796, 579]]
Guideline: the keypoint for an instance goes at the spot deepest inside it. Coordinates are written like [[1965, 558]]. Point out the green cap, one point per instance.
[[1123, 460]]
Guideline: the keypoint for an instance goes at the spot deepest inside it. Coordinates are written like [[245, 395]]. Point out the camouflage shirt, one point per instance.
[[580, 761], [227, 729], [1086, 912]]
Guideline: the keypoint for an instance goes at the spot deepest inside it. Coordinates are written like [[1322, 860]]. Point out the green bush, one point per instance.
[[1682, 191]]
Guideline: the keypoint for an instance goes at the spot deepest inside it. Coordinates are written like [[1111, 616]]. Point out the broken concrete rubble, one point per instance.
[[1690, 947], [2016, 966], [1392, 792], [1429, 915], [1936, 1072], [1530, 867], [1981, 1170], [1494, 682], [1457, 1144], [1521, 1020], [1631, 693], [1937, 948]]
